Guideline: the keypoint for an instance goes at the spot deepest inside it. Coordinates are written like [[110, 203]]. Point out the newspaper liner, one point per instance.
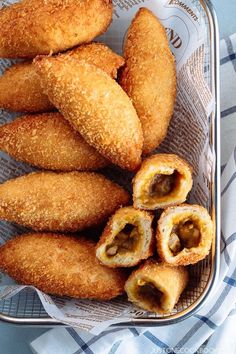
[[188, 136]]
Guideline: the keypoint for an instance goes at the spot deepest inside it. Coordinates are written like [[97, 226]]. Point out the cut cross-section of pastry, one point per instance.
[[184, 234], [127, 239], [162, 180], [156, 287]]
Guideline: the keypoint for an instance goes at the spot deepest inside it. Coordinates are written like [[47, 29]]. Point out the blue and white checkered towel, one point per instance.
[[219, 315]]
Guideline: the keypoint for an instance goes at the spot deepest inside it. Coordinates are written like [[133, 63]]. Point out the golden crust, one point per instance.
[[96, 106], [149, 76], [143, 249], [33, 27], [165, 164], [171, 281], [20, 89], [60, 201], [174, 215], [48, 141], [97, 54], [60, 265]]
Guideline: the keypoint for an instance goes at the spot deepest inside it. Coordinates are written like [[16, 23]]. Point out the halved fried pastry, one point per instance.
[[184, 234], [127, 238], [162, 180], [156, 287]]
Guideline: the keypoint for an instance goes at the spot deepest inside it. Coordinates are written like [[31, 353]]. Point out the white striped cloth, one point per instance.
[[217, 319], [228, 97]]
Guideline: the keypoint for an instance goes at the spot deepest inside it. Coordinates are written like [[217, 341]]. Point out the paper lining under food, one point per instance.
[[188, 136]]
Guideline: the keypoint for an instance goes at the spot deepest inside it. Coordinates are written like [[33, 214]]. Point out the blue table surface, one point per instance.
[[15, 340]]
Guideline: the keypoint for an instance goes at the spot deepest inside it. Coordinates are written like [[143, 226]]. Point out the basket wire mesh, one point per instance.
[[26, 304]]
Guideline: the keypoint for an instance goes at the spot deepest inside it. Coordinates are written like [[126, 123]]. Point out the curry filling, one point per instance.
[[125, 241], [149, 294], [163, 185], [184, 235]]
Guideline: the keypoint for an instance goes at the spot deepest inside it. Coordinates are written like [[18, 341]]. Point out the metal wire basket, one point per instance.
[[25, 308]]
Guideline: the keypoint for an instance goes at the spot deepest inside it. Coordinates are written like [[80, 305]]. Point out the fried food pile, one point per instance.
[[87, 108]]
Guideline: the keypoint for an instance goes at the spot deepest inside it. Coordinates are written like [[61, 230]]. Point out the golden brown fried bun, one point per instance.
[[149, 76], [48, 141], [96, 106], [60, 201], [127, 238], [184, 234], [163, 180], [97, 54], [156, 287], [33, 27], [20, 88], [60, 265]]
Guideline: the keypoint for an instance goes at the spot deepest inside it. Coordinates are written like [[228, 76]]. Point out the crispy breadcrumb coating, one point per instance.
[[60, 265], [96, 106], [162, 180], [149, 76], [127, 238], [20, 88], [33, 27], [97, 54], [48, 141], [60, 201], [193, 232], [156, 287]]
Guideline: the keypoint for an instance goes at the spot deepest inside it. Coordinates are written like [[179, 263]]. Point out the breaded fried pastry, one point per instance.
[[184, 234], [149, 76], [48, 141], [156, 287], [60, 201], [20, 88], [97, 54], [33, 27], [163, 180], [60, 265], [96, 106], [127, 238]]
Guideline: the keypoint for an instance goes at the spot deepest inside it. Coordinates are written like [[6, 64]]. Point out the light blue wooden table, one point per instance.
[[15, 340]]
